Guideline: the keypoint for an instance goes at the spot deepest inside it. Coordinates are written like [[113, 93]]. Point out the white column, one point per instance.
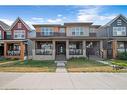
[[101, 47], [33, 49], [54, 50], [84, 48], [67, 49]]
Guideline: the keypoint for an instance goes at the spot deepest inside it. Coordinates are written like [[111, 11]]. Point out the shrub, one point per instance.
[[122, 55]]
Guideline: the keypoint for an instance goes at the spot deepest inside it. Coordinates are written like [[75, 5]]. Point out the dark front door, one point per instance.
[[61, 51], [1, 50], [60, 48]]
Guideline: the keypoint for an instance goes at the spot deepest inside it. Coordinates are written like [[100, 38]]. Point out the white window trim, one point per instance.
[[115, 30], [17, 32], [0, 34]]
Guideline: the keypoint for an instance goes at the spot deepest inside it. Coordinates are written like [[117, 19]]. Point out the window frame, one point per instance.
[[121, 30], [19, 34]]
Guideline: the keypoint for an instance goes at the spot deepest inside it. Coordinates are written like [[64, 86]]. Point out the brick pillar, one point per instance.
[[54, 50], [5, 49], [22, 51], [114, 48], [84, 48], [67, 49]]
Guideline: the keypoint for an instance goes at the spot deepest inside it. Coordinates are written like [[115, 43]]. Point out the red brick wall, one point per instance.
[[22, 28]]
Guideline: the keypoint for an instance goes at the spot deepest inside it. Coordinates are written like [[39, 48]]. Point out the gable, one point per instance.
[[123, 18], [119, 22], [15, 27]]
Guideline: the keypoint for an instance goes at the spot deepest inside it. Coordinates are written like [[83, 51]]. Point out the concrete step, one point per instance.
[[61, 70], [60, 64]]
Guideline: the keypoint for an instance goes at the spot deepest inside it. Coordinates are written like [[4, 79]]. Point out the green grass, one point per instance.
[[119, 62], [83, 62], [6, 60], [30, 66], [85, 65]]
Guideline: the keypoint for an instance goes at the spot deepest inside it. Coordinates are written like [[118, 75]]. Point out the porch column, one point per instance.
[[5, 49], [54, 49], [114, 48], [22, 51], [84, 48], [101, 47], [33, 48], [67, 49]]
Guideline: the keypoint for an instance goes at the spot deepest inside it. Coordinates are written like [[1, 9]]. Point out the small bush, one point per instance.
[[122, 56]]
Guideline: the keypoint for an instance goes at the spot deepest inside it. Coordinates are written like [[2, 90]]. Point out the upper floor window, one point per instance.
[[92, 30], [8, 35], [77, 31], [19, 34], [0, 34], [47, 31], [119, 22], [19, 25], [62, 30], [119, 31]]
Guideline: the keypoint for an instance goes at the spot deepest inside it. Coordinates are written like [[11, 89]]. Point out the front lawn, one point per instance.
[[2, 60], [85, 65], [30, 66], [119, 62]]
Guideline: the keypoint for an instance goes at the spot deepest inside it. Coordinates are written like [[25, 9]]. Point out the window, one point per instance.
[[19, 34], [75, 48], [8, 35], [19, 25], [0, 34], [91, 30], [119, 22], [44, 48], [47, 31], [77, 31], [62, 30], [119, 31]]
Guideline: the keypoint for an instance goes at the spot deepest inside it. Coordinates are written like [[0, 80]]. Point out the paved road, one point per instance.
[[63, 81]]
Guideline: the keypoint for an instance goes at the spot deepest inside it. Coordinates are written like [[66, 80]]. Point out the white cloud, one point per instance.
[[7, 21], [37, 18], [57, 20], [92, 14]]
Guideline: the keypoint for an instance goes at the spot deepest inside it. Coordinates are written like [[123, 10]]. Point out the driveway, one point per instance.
[[63, 81]]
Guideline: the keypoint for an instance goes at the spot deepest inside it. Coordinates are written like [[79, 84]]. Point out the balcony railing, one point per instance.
[[52, 34]]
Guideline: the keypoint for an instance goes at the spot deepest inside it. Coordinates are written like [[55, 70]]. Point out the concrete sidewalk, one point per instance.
[[63, 81]]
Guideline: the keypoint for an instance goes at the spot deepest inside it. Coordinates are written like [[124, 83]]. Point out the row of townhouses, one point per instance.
[[61, 42]]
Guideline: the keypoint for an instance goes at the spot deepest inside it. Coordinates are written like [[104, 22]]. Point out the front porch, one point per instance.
[[61, 50], [14, 49]]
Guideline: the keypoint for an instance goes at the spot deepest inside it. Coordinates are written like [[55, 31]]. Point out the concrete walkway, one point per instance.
[[63, 81], [61, 67]]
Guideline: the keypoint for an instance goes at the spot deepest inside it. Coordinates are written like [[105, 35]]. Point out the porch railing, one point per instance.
[[43, 51], [51, 34], [13, 53], [76, 51]]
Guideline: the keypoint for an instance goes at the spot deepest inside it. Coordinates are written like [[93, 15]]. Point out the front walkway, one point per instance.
[[61, 67], [63, 81]]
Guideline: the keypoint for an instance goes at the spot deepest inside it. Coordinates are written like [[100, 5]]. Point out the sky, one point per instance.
[[60, 14]]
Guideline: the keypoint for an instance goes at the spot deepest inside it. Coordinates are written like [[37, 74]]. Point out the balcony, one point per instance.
[[52, 34]]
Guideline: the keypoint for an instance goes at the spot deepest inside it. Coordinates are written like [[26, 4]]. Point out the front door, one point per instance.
[[1, 49], [61, 50]]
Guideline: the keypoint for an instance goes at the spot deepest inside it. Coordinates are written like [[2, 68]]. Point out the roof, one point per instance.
[[4, 25], [78, 23], [119, 16], [97, 26], [22, 22], [47, 25]]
